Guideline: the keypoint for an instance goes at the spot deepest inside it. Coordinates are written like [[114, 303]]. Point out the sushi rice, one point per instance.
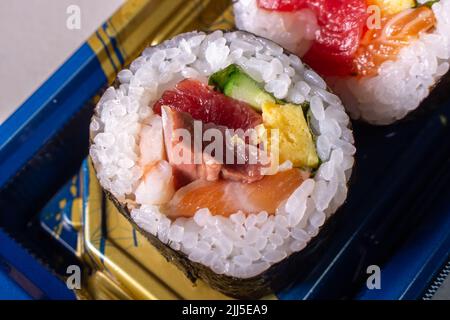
[[398, 88], [242, 245]]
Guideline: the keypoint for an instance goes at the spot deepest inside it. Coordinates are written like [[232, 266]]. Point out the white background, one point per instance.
[[34, 42]]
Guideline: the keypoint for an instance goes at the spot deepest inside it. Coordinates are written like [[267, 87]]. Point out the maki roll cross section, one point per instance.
[[161, 143]]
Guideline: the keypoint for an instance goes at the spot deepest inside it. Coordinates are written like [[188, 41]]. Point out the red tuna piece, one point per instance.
[[283, 5], [341, 24], [206, 105]]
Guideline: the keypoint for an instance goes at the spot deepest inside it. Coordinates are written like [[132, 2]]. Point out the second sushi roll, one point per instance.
[[382, 57], [227, 220]]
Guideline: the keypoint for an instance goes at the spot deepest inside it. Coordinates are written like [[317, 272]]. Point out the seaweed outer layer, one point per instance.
[[277, 277]]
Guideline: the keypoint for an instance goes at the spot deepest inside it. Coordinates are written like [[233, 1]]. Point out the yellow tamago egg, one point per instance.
[[295, 139]]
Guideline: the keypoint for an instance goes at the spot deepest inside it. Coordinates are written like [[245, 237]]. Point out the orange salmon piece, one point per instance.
[[397, 31], [225, 197]]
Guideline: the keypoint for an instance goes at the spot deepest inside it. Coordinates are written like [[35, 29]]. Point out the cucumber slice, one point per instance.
[[220, 78], [242, 87], [235, 83]]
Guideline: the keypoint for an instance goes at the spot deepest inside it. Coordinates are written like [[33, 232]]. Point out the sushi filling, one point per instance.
[[237, 218], [216, 142], [354, 37]]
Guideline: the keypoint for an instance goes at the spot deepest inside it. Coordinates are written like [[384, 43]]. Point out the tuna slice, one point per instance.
[[192, 157], [225, 197], [341, 24], [209, 106]]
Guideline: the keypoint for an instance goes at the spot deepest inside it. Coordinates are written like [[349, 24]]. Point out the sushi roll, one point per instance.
[[234, 221], [382, 57]]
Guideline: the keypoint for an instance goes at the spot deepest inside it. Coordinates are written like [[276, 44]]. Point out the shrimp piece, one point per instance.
[[151, 145], [157, 186]]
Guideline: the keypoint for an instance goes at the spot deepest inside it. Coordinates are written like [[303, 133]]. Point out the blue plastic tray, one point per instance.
[[396, 216]]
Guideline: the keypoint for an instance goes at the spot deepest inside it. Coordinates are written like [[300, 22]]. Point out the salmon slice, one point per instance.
[[225, 197], [397, 31]]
